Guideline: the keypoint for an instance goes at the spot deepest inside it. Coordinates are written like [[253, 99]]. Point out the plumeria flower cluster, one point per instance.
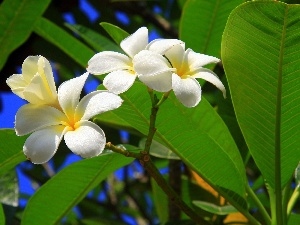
[[52, 115], [162, 64]]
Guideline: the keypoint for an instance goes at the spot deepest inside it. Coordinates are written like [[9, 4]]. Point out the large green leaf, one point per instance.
[[63, 191], [261, 56], [202, 24], [66, 42], [17, 20], [11, 153], [197, 135]]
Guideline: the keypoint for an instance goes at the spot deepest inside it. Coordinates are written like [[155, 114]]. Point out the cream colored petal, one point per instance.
[[41, 145], [97, 102], [87, 140], [30, 67], [38, 92], [30, 118], [135, 42], [211, 77], [197, 60], [148, 63], [69, 94], [16, 83], [188, 91], [160, 46], [119, 81], [45, 71], [175, 55], [107, 61]]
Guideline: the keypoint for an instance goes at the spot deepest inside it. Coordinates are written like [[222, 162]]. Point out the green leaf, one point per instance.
[[159, 150], [11, 153], [202, 24], [2, 216], [215, 209], [197, 135], [294, 219], [260, 53], [160, 201], [116, 33], [9, 188], [66, 42], [17, 20], [63, 191], [94, 39]]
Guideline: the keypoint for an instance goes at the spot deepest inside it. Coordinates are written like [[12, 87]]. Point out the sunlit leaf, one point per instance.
[[17, 20], [63, 191], [116, 33], [202, 24], [97, 41], [215, 209], [260, 53], [79, 52], [11, 153]]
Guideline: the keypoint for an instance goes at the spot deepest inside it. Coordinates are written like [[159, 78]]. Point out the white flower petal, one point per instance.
[[36, 83], [38, 92], [30, 67], [69, 94], [176, 55], [97, 102], [148, 63], [45, 71], [119, 81], [87, 140], [32, 117], [161, 82], [188, 91], [17, 83], [41, 145], [135, 42], [211, 77], [108, 61], [160, 46], [197, 60]]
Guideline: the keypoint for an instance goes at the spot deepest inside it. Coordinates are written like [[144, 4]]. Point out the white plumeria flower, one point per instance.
[[119, 67], [178, 70], [36, 83], [50, 124]]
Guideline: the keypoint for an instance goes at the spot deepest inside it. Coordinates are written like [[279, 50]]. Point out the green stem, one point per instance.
[[259, 205], [122, 151], [154, 109], [146, 162], [163, 98], [293, 200]]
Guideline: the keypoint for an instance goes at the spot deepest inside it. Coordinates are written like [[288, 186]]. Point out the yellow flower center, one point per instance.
[[71, 124], [183, 71]]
